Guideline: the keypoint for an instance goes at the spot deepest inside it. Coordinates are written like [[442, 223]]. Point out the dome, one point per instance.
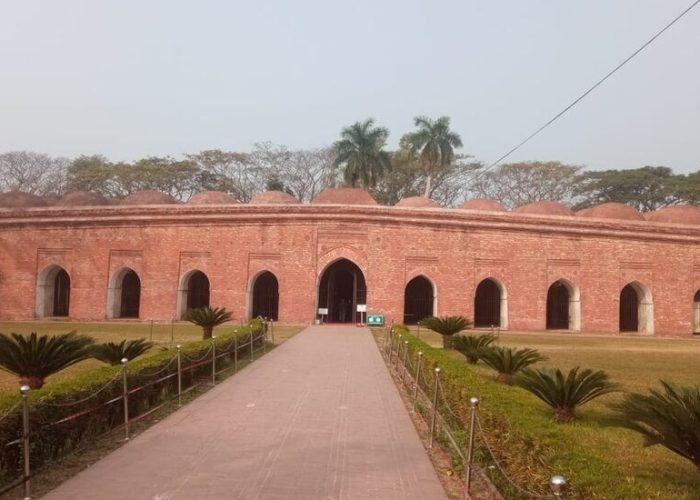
[[544, 208], [676, 214], [611, 211], [212, 198], [274, 198], [482, 204], [149, 198], [418, 202], [344, 196], [17, 199], [82, 198]]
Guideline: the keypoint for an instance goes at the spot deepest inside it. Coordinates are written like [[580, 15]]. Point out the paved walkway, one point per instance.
[[317, 418]]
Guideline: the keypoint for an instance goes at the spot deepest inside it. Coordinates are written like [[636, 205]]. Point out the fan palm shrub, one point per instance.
[[112, 352], [669, 417], [33, 358], [471, 346], [508, 361], [564, 393], [207, 318], [447, 326]]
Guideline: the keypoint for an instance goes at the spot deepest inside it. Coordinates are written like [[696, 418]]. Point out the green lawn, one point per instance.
[[160, 333], [636, 363]]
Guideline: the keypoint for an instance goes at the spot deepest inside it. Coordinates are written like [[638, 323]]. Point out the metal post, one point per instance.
[[474, 401], [389, 340], [235, 351], [213, 360], [558, 485], [151, 330], [24, 390], [272, 331], [398, 349], [251, 344], [172, 330], [434, 415], [405, 355], [418, 369], [125, 395], [418, 329], [179, 375]]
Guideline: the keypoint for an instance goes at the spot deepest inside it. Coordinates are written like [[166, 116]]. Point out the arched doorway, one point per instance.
[[419, 300], [341, 288], [53, 292], [636, 309], [490, 304], [696, 313], [193, 292], [124, 294], [266, 296], [563, 306]]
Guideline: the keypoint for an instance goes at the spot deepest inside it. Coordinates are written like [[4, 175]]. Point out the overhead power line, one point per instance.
[[582, 96]]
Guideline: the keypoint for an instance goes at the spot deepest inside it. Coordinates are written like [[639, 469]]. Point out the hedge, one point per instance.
[[51, 437], [521, 432]]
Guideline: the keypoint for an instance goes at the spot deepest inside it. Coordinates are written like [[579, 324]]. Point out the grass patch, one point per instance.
[[600, 461]]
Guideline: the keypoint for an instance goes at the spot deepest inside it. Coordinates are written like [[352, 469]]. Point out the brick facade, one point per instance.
[[455, 249]]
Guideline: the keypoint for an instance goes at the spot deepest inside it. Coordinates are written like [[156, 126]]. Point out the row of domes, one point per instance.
[[679, 214]]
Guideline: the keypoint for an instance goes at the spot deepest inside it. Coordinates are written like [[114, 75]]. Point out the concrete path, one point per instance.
[[317, 418]]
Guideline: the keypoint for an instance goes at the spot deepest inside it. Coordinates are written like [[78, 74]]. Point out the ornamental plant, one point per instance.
[[565, 393], [112, 353], [471, 346], [32, 358], [508, 361], [208, 318], [447, 326]]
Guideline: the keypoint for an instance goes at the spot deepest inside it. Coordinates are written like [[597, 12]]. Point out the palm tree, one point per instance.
[[471, 346], [670, 418], [33, 358], [208, 318], [508, 361], [446, 326], [112, 353], [565, 393], [360, 153], [433, 144]]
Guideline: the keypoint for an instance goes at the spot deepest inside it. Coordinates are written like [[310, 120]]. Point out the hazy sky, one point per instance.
[[129, 79]]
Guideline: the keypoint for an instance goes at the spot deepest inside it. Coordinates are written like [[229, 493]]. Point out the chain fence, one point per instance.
[[106, 399], [425, 389]]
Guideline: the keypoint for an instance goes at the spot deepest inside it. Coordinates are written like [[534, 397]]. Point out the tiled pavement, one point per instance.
[[317, 418]]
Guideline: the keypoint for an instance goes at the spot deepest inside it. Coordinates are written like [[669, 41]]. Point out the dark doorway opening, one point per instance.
[[418, 300], [61, 294], [629, 309], [130, 295], [341, 289], [558, 306], [197, 291], [266, 296], [487, 304]]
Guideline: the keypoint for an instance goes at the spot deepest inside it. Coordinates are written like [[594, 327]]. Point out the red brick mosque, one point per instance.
[[607, 269]]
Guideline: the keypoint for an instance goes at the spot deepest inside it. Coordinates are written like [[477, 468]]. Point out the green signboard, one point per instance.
[[375, 319]]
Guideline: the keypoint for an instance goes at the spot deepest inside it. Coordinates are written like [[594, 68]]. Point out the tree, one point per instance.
[[447, 326], [304, 172], [208, 318], [515, 184], [669, 417], [508, 361], [32, 173], [230, 172], [360, 153], [90, 173], [164, 174], [433, 144], [33, 358], [565, 393], [112, 353], [646, 188]]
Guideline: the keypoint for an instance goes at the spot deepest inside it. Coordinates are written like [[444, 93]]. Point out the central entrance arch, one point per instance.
[[419, 300], [636, 309], [265, 296], [491, 305], [341, 288]]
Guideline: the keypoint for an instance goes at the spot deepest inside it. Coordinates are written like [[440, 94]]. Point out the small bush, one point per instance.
[[112, 353], [471, 346], [508, 361]]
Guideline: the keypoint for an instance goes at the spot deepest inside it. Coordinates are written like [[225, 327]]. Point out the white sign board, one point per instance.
[[362, 308], [323, 311]]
